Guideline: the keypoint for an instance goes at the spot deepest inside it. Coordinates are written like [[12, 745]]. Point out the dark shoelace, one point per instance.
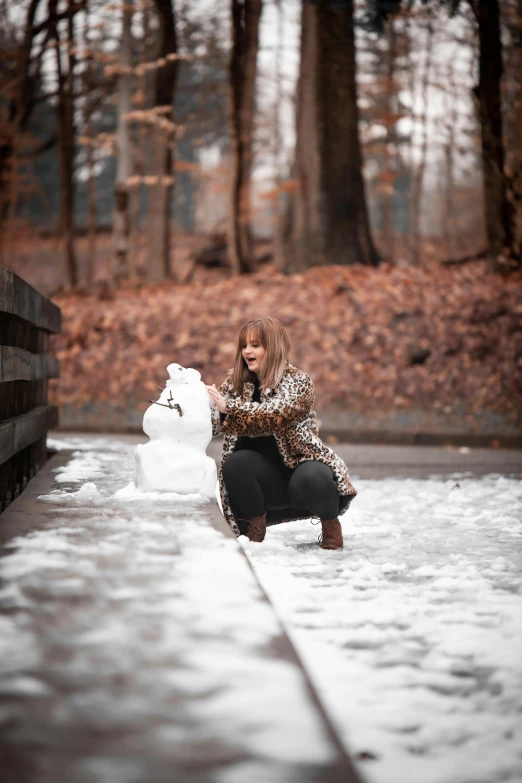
[[329, 525], [255, 529]]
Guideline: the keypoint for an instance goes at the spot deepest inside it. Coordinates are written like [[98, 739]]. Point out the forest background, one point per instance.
[[171, 169]]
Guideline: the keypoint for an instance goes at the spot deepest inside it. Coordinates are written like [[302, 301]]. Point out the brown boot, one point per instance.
[[332, 535], [256, 529]]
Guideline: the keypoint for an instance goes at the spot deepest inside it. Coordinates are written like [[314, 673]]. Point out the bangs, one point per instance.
[[253, 333]]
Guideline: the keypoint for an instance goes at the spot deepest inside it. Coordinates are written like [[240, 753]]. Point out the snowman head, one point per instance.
[[182, 375]]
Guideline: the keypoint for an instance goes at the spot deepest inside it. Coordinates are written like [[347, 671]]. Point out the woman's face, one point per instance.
[[253, 353]]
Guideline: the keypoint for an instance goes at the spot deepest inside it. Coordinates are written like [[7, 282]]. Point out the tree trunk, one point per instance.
[[499, 211], [120, 217], [330, 218], [160, 194], [420, 169], [516, 121], [242, 69], [279, 215], [19, 108], [90, 263], [390, 142], [449, 156], [66, 140], [449, 208], [140, 159]]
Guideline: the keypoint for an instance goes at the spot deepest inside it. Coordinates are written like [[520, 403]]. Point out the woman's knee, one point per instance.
[[314, 475], [310, 480], [240, 465]]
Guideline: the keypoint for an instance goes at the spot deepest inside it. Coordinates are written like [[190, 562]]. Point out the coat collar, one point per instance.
[[249, 388]]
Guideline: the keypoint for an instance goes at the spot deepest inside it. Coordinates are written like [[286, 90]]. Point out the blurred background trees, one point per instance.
[[243, 60], [329, 215], [139, 140]]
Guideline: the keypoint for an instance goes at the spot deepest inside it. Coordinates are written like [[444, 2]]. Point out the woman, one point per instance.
[[274, 466]]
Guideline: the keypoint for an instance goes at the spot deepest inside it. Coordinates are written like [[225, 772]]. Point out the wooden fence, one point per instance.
[[26, 320]]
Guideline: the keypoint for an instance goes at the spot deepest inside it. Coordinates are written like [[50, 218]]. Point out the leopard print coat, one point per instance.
[[285, 412]]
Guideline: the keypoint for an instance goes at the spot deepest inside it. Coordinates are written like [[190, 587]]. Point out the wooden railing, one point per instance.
[[26, 320]]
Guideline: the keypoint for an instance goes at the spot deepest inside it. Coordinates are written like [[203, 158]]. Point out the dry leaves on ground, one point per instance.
[[372, 339]]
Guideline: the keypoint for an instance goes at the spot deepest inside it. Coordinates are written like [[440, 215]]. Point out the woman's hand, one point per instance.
[[217, 398]]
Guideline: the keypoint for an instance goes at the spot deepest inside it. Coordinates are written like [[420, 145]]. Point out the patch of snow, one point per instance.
[[131, 492], [97, 443], [413, 632], [23, 686], [258, 772]]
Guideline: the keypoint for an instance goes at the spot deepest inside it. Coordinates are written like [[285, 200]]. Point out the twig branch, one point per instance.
[[170, 404]]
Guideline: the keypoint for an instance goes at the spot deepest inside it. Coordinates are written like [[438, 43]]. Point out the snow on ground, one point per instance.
[[127, 652], [95, 442], [90, 455], [413, 632]]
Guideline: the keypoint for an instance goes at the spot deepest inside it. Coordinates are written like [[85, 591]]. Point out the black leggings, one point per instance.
[[255, 484]]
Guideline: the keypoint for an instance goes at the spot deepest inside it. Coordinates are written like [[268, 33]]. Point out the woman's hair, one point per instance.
[[273, 336]]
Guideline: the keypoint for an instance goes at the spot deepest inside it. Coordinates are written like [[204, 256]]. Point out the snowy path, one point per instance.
[[137, 647], [413, 634]]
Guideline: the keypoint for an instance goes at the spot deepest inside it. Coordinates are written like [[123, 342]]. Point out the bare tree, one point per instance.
[[121, 217], [420, 168], [141, 156], [330, 220], [449, 144], [278, 251], [23, 74], [390, 105], [516, 32], [160, 193], [66, 132], [499, 210], [243, 62], [88, 111]]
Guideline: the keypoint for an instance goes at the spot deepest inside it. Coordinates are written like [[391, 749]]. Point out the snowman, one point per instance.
[[179, 427]]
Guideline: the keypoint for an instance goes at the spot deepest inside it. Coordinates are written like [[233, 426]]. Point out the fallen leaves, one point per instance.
[[372, 339]]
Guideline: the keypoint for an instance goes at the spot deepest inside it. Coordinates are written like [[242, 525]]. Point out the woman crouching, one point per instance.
[[274, 467]]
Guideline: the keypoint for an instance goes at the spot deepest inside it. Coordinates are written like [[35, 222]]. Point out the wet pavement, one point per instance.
[[136, 645]]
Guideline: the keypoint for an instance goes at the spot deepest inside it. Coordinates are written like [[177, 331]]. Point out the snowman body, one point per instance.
[[180, 429]]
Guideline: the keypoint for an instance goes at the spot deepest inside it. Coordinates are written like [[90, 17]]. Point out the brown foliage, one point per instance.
[[372, 339]]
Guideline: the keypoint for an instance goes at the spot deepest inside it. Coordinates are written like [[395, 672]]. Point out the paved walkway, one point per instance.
[[136, 645], [413, 633]]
